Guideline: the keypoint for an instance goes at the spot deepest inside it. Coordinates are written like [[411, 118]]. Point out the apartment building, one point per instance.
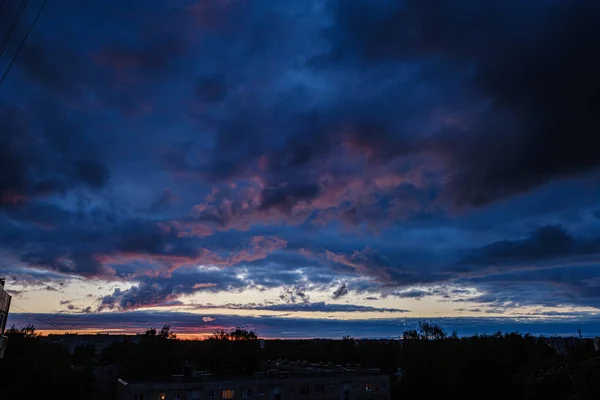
[[561, 344], [273, 385], [4, 307]]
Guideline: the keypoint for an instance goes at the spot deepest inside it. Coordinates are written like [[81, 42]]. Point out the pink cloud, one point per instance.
[[259, 248], [203, 285], [366, 262]]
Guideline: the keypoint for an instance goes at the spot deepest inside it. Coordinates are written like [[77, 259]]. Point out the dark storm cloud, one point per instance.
[[384, 270], [548, 245], [43, 158], [571, 285], [547, 266], [533, 65], [286, 196], [142, 295]]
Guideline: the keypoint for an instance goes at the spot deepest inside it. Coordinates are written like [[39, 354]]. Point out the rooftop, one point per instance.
[[278, 369]]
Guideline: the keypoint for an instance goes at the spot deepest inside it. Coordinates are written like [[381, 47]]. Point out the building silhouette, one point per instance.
[[295, 384], [99, 340], [4, 308]]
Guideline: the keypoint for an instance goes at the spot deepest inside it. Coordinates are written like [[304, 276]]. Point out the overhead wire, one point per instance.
[[43, 320], [37, 317], [37, 16], [13, 26]]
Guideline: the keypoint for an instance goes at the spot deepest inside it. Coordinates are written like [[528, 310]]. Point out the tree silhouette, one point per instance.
[[164, 333], [150, 332], [426, 331], [236, 334]]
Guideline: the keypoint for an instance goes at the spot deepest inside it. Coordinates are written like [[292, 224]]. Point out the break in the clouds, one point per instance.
[[303, 156]]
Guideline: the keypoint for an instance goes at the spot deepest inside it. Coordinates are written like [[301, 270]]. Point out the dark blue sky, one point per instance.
[[325, 161]]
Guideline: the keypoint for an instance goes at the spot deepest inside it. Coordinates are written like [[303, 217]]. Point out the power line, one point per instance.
[[23, 41], [13, 26], [39, 319]]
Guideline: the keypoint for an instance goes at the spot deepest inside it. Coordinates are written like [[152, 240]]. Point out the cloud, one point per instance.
[[497, 154], [373, 151], [163, 201], [306, 307], [548, 245], [286, 196], [413, 294], [40, 157], [372, 264], [293, 294], [340, 292]]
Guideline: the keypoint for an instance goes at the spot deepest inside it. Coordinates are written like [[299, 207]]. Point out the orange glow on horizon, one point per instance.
[[182, 336]]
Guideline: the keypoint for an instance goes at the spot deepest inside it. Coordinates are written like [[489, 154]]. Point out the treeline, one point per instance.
[[34, 369], [430, 361]]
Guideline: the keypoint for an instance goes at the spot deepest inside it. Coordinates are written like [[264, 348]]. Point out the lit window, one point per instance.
[[228, 394], [161, 396], [369, 387]]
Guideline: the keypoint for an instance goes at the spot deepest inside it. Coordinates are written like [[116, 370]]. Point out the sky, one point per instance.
[[303, 168]]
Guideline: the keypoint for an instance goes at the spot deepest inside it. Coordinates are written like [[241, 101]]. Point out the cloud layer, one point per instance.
[[331, 151]]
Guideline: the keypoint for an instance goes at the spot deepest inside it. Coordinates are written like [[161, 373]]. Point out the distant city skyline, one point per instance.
[[308, 168]]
